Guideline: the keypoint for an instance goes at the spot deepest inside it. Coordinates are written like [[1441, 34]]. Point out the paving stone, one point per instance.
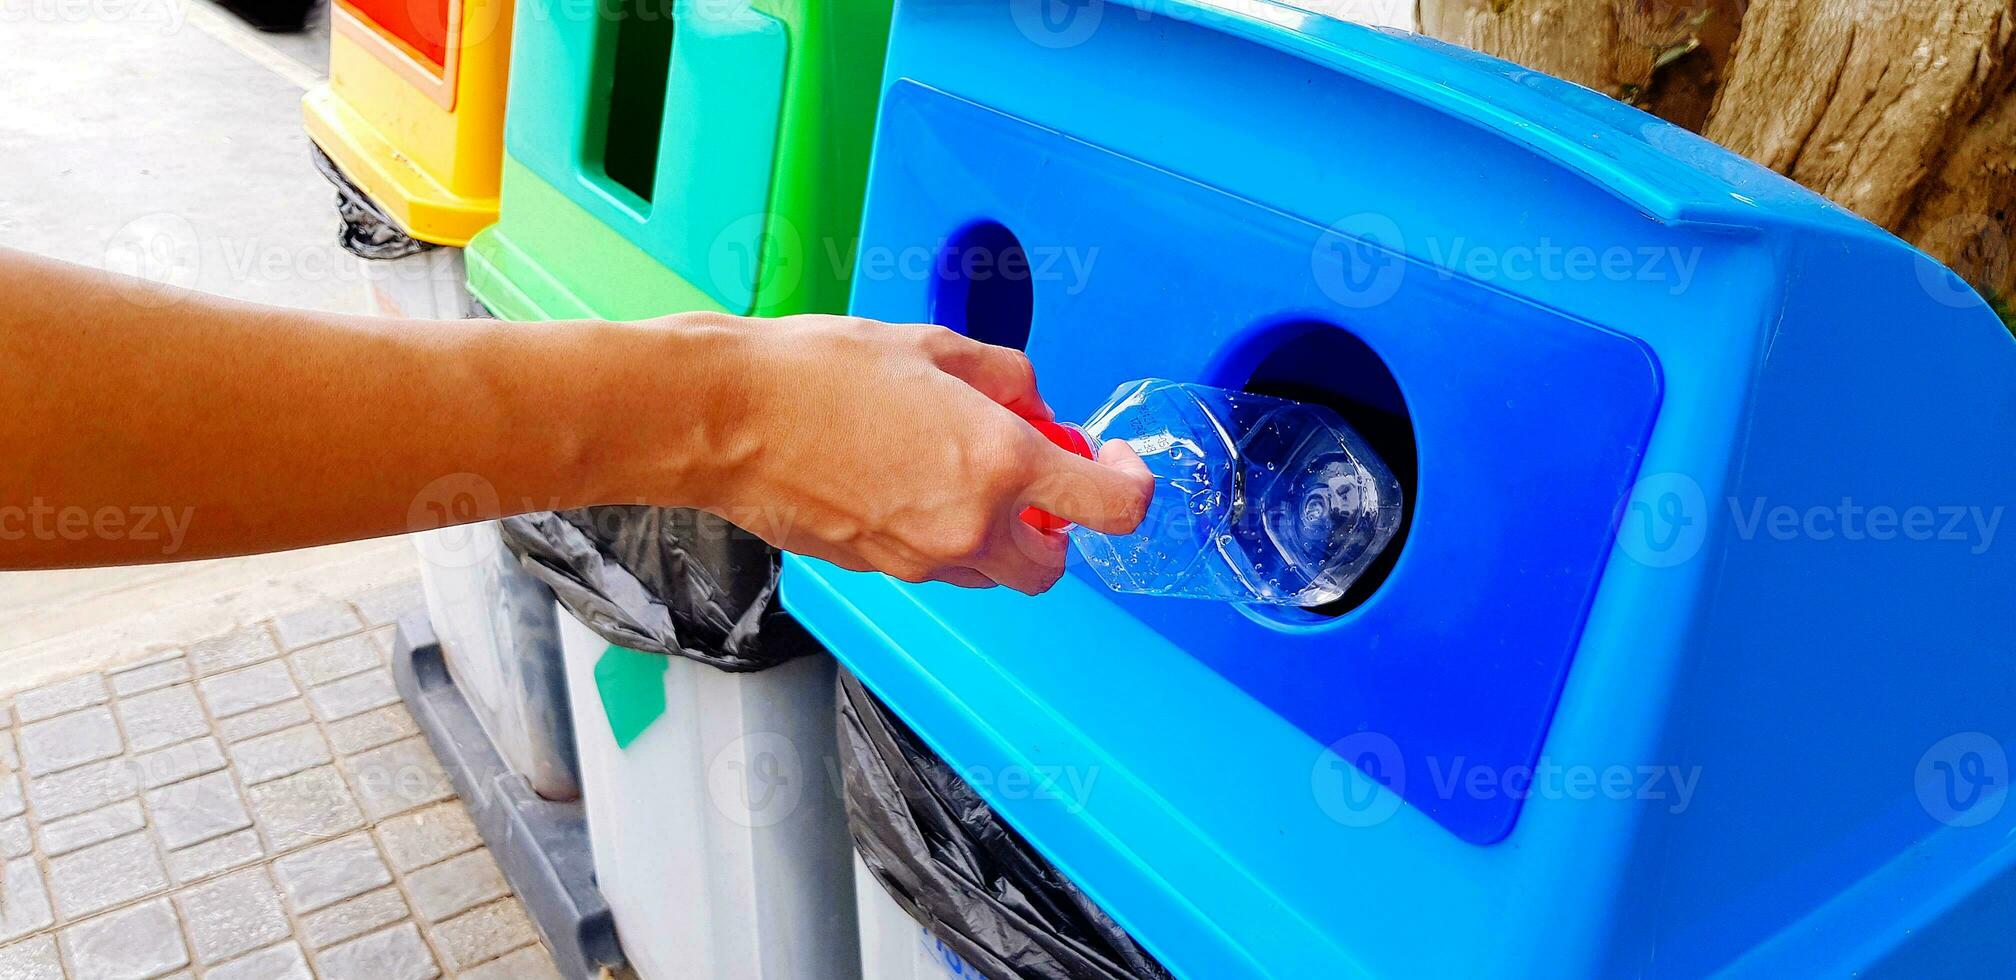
[[69, 741], [282, 962], [11, 803], [130, 944], [214, 856], [81, 789], [280, 754], [424, 837], [24, 900], [456, 885], [147, 677], [179, 762], [60, 698], [353, 918], [397, 778], [103, 875], [196, 810], [384, 605], [14, 838], [323, 875], [304, 808], [232, 915], [31, 959], [232, 650], [247, 688], [392, 954], [336, 659], [264, 721], [484, 934], [371, 729], [10, 760], [305, 627], [353, 695], [164, 717], [85, 829], [530, 963]]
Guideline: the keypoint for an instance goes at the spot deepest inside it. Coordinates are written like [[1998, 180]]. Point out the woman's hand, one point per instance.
[[903, 449]]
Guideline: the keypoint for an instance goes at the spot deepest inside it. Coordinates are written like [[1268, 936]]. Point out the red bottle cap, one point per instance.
[[1068, 438]]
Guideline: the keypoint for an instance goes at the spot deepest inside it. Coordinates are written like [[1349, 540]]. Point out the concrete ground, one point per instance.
[[204, 769]]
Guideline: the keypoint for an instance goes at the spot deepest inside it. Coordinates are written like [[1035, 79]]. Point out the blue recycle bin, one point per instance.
[[1671, 672]]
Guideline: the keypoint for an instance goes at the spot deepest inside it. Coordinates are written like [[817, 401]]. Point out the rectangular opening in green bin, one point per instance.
[[636, 45]]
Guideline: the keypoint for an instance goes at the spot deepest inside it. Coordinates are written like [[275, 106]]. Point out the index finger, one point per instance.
[[1003, 374]]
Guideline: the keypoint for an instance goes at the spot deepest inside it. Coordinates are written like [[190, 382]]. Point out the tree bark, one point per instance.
[[1661, 55], [1901, 110]]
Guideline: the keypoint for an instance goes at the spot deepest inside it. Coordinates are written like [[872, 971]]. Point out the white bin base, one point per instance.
[[893, 945], [719, 836], [430, 285], [499, 638]]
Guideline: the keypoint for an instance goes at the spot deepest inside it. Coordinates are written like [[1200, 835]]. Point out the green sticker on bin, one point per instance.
[[632, 685]]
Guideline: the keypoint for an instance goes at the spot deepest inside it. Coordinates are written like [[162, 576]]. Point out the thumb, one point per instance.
[[1109, 495]]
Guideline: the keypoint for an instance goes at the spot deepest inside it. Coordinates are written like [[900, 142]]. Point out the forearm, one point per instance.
[[187, 426]]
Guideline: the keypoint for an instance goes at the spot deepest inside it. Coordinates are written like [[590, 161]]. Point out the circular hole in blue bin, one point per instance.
[[1324, 364], [982, 287]]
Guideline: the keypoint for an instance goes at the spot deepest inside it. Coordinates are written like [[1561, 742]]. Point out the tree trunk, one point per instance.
[[1661, 55], [1901, 110]]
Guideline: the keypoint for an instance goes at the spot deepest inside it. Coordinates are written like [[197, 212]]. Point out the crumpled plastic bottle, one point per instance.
[[1257, 499]]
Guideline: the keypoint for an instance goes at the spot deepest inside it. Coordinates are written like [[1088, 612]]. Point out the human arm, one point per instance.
[[255, 428]]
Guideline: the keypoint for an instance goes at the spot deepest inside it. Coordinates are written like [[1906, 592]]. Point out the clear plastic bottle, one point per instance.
[[1257, 499]]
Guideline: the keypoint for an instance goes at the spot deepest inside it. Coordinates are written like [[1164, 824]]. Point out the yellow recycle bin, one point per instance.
[[413, 113]]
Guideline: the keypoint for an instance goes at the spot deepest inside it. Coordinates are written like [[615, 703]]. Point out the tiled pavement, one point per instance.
[[257, 806]]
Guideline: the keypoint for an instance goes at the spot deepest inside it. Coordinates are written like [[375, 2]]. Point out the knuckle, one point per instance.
[[969, 540], [941, 341]]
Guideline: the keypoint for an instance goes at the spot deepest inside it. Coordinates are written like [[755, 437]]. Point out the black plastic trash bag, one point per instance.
[[367, 232], [950, 861], [676, 582]]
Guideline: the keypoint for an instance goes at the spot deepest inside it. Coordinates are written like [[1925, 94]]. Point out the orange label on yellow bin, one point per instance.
[[422, 27]]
